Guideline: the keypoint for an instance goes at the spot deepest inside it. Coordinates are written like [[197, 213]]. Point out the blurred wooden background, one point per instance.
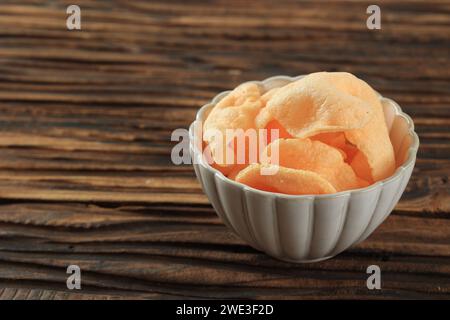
[[85, 123]]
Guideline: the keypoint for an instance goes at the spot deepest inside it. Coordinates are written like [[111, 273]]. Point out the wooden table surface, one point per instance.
[[86, 116]]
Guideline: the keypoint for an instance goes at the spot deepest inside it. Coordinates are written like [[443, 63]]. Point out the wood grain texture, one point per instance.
[[85, 123]]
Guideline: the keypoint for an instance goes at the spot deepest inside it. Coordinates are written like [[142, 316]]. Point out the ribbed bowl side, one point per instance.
[[329, 219], [360, 209], [295, 219], [386, 201], [262, 219], [233, 202], [207, 180]]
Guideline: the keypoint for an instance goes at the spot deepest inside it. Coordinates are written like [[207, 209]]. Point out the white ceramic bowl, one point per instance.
[[308, 228]]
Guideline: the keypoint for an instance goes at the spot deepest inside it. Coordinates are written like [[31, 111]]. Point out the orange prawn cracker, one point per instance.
[[275, 125], [338, 101], [268, 95], [338, 140], [311, 105], [361, 167], [373, 138], [318, 157], [235, 111], [332, 135], [285, 180], [335, 139], [374, 142]]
